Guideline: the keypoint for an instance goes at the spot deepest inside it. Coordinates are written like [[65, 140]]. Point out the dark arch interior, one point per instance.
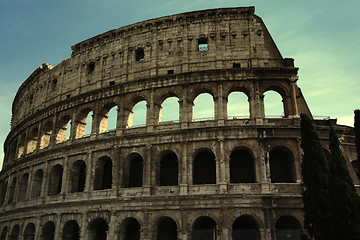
[[4, 186], [78, 175], [281, 166], [204, 171], [241, 167], [4, 233], [71, 231], [48, 231], [204, 229], [55, 180], [288, 227], [103, 174], [245, 227], [132, 231], [29, 233], [98, 229], [167, 229], [23, 186], [169, 170], [12, 190], [15, 233], [136, 172], [37, 183]]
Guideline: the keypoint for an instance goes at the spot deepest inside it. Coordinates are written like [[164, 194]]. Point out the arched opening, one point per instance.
[[77, 176], [204, 228], [238, 105], [4, 186], [15, 233], [63, 132], [245, 227], [109, 118], [29, 233], [169, 169], [21, 146], [130, 229], [282, 169], [12, 150], [12, 190], [84, 124], [46, 135], [137, 115], [37, 183], [288, 227], [242, 168], [166, 229], [55, 180], [203, 107], [48, 231], [71, 231], [23, 186], [169, 110], [204, 168], [135, 170], [103, 174], [273, 104], [356, 165], [4, 233], [32, 140], [98, 229]]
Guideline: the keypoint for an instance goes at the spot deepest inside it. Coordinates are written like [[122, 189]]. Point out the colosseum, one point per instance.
[[222, 177]]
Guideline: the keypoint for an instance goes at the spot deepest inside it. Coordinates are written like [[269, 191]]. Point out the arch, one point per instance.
[[242, 166], [356, 165], [63, 129], [71, 231], [29, 233], [288, 227], [37, 183], [274, 103], [46, 134], [98, 229], [204, 228], [238, 105], [55, 180], [103, 174], [168, 169], [203, 107], [83, 127], [108, 117], [77, 176], [245, 227], [21, 146], [166, 229], [32, 140], [23, 185], [204, 167], [12, 190], [4, 186], [130, 229], [12, 150], [137, 114], [134, 176], [4, 233], [48, 231], [15, 232], [169, 110], [282, 167]]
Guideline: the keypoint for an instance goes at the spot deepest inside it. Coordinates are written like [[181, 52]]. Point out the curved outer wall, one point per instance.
[[49, 177]]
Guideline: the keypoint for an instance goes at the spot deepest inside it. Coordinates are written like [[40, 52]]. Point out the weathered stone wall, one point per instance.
[[51, 181]]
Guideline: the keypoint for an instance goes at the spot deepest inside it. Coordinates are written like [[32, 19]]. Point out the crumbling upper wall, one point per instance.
[[234, 37]]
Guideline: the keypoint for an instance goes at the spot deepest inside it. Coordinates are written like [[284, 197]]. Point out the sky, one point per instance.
[[322, 36]]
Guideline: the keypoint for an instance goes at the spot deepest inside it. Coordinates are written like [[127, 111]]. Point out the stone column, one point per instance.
[[184, 180], [38, 142], [57, 234], [222, 168], [112, 226], [295, 110], [45, 182], [65, 180], [147, 171], [89, 173], [74, 123], [54, 131]]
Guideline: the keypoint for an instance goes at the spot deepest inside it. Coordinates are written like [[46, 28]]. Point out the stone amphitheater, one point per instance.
[[222, 177]]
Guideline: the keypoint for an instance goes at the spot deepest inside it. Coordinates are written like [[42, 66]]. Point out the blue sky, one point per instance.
[[322, 36]]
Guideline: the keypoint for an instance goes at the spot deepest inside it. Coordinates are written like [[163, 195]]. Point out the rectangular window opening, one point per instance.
[[170, 71], [203, 45], [236, 65], [111, 83]]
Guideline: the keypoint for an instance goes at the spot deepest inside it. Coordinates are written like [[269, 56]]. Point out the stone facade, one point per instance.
[[219, 178]]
